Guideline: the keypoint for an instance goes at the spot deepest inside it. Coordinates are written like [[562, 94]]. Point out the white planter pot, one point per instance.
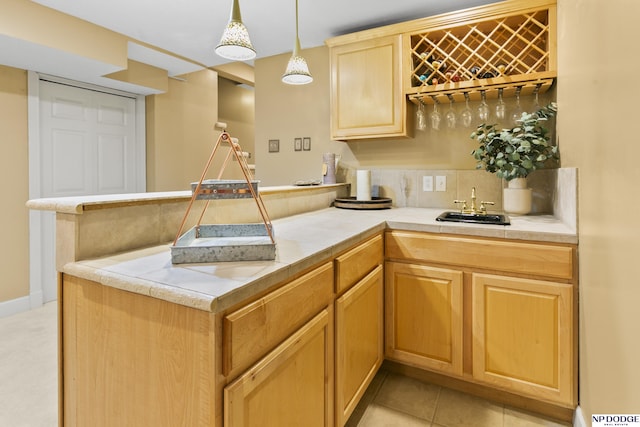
[[516, 198]]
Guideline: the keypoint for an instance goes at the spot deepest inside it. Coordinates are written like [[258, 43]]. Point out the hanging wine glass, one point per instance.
[[421, 116], [501, 107], [450, 117], [536, 102], [436, 118], [466, 115], [483, 108], [516, 114]]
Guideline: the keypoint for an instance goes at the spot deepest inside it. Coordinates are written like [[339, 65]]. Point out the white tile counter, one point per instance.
[[302, 240]]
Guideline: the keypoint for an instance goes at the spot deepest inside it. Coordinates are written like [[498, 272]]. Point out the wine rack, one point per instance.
[[509, 52]]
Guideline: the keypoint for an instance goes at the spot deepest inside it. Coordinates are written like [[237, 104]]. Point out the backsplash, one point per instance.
[[554, 190]]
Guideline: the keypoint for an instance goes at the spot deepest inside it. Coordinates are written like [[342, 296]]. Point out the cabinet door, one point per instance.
[[523, 336], [359, 342], [424, 316], [291, 386], [367, 97]]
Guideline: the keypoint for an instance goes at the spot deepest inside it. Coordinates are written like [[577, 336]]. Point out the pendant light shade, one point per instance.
[[235, 43], [297, 72]]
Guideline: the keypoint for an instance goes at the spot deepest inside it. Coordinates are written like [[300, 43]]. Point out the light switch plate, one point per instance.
[[427, 183], [441, 183]]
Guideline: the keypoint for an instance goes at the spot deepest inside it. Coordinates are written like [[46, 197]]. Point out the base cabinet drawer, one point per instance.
[[253, 330], [540, 259], [358, 262], [291, 386]]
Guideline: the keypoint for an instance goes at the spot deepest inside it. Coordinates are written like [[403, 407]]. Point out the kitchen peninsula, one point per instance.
[[298, 339]]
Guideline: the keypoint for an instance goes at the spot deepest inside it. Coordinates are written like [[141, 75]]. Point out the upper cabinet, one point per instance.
[[367, 96], [507, 47]]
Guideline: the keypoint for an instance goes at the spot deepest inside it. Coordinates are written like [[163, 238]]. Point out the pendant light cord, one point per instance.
[[296, 47]]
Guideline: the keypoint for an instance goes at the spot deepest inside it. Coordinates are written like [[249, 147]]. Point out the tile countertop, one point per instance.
[[301, 241]]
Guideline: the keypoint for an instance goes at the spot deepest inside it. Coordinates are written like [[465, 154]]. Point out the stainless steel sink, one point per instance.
[[476, 218]]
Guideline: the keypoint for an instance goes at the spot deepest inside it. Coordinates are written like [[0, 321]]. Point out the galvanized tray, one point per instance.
[[224, 242], [225, 189]]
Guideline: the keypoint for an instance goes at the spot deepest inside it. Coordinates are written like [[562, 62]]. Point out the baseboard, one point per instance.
[[18, 305], [15, 306], [578, 418]]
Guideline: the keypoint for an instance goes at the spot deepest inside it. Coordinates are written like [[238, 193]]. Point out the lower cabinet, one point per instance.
[[359, 341], [290, 366], [491, 312], [424, 316], [496, 318], [291, 386], [522, 336]]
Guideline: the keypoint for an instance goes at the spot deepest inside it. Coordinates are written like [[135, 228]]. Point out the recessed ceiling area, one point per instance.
[[192, 29], [177, 38]]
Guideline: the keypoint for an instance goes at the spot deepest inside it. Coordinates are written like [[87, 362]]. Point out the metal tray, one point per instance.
[[224, 242]]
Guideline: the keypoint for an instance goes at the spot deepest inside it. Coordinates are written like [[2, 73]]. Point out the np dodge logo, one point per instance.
[[617, 420]]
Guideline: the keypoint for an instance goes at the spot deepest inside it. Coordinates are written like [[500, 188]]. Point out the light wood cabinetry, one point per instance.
[[367, 93], [284, 359], [131, 360], [359, 341], [508, 256], [284, 363], [494, 313], [424, 316], [353, 265], [509, 45], [512, 301], [291, 386], [523, 335], [253, 330]]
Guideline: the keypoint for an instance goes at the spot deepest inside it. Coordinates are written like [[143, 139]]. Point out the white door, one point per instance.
[[88, 144]]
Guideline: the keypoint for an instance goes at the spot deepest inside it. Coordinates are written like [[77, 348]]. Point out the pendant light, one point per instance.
[[297, 72], [235, 43]]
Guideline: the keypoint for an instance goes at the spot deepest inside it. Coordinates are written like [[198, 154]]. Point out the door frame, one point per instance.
[[36, 292]]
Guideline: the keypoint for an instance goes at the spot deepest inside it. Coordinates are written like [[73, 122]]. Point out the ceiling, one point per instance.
[[192, 28]]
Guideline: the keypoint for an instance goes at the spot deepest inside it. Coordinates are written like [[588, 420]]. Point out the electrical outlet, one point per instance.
[[441, 183], [427, 183]]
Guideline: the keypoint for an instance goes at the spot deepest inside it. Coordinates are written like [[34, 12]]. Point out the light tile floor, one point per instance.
[[28, 388], [396, 401]]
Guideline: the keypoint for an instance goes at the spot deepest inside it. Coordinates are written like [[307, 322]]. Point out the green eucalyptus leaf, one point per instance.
[[515, 152]]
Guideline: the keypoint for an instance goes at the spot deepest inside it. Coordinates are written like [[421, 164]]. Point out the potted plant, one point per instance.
[[512, 154]]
